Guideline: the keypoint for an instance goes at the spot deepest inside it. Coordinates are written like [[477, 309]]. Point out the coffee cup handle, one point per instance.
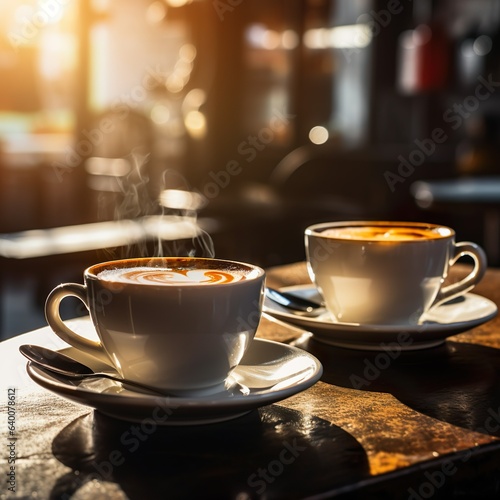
[[53, 317], [466, 284]]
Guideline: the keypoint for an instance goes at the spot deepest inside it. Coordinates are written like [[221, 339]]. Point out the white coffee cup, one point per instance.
[[386, 273], [177, 324]]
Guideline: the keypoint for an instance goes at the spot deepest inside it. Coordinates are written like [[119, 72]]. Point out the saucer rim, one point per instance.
[[426, 325], [372, 337], [189, 409]]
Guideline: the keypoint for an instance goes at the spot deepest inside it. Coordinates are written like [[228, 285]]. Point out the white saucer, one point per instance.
[[269, 372], [439, 323]]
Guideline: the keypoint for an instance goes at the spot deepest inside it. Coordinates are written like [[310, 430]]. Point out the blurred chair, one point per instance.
[[324, 179], [264, 221]]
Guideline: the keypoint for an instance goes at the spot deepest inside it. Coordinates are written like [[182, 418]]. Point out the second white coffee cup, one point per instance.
[[386, 273]]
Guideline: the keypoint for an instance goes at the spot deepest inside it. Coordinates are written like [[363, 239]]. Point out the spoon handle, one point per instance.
[[69, 368], [146, 388]]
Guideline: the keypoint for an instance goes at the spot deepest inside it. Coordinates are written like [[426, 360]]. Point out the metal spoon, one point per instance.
[[299, 305], [61, 364]]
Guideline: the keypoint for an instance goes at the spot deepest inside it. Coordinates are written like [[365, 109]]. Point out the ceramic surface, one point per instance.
[[384, 280], [156, 334]]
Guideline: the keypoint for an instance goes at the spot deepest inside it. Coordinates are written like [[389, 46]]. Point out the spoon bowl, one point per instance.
[[299, 305]]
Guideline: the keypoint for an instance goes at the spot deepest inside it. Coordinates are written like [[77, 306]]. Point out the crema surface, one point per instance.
[[384, 233], [159, 276]]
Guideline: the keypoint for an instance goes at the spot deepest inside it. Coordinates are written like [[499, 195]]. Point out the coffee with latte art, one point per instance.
[[386, 272], [164, 276], [178, 324], [386, 233]]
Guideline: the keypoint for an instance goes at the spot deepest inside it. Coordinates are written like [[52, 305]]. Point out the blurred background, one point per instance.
[[127, 125]]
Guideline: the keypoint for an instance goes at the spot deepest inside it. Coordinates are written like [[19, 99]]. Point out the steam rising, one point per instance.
[[168, 214]]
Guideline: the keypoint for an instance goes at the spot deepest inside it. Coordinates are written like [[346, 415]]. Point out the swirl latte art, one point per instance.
[[160, 276]]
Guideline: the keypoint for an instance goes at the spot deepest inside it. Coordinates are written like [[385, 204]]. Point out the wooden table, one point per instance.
[[425, 426]]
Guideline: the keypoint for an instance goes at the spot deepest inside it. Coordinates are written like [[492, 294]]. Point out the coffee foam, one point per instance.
[[165, 276], [385, 233]]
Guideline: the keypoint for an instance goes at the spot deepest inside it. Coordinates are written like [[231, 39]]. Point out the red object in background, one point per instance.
[[433, 59], [425, 55]]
